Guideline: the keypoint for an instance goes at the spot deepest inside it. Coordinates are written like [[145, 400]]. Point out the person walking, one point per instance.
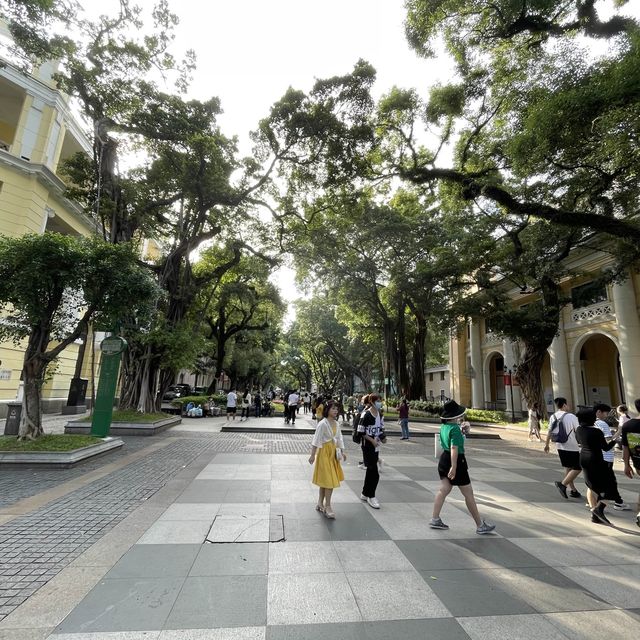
[[327, 451], [453, 469], [602, 411], [598, 475], [319, 408], [534, 422], [403, 415], [630, 440], [232, 401], [245, 405], [561, 424], [293, 401], [257, 403], [371, 428]]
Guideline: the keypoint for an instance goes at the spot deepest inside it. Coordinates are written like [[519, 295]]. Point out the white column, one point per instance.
[[560, 372], [477, 385], [509, 363], [626, 309], [31, 129]]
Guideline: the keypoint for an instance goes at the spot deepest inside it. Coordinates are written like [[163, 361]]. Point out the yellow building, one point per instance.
[[594, 358], [37, 132]]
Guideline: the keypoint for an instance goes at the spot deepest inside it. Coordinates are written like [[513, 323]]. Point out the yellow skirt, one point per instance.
[[327, 473]]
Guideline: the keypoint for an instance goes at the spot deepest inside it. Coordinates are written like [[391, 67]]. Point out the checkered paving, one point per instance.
[[548, 572]]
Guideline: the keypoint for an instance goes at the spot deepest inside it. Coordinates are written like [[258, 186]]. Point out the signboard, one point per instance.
[[113, 345], [112, 348]]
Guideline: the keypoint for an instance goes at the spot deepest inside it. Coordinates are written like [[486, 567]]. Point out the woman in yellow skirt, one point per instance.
[[327, 450]]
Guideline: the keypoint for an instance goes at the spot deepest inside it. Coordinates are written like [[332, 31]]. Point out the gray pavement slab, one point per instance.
[[220, 601], [125, 605]]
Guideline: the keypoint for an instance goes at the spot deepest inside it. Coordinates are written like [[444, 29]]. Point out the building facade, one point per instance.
[[37, 133], [595, 356], [437, 383]]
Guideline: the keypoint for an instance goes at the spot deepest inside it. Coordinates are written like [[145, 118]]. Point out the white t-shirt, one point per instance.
[[293, 399], [232, 399], [606, 429], [570, 423]]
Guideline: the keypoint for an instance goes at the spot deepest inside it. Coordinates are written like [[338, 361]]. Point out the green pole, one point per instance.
[[112, 349]]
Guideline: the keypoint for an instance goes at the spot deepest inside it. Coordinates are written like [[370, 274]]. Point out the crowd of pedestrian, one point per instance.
[[585, 443]]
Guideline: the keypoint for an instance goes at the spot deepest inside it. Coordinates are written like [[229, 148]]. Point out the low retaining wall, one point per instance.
[[62, 459], [126, 428]]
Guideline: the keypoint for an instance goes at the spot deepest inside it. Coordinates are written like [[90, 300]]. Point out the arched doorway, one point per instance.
[[495, 397], [598, 371]]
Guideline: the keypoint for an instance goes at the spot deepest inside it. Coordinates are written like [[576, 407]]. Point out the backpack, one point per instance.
[[356, 436], [560, 436]]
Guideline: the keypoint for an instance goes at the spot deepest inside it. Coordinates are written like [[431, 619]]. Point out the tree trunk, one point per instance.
[[529, 370], [528, 374], [33, 371], [418, 359], [403, 373], [139, 379]]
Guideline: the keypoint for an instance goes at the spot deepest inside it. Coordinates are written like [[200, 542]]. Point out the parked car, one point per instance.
[[176, 391]]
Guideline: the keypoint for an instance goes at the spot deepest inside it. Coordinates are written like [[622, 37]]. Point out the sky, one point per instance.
[[250, 51]]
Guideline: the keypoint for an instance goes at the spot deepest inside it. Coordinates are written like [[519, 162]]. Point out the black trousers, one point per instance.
[[618, 499], [372, 476]]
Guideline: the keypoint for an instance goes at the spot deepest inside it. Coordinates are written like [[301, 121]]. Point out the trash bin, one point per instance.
[[12, 424]]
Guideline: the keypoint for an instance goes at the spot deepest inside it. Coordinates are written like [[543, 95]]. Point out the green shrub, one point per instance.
[[483, 415]]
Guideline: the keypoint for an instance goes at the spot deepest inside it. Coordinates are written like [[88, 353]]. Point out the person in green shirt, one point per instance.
[[453, 469]]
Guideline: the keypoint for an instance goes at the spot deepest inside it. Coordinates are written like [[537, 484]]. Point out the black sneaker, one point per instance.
[[575, 494], [562, 489], [595, 520], [598, 512]]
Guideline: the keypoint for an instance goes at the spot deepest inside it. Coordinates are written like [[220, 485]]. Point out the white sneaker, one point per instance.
[[621, 506], [373, 503], [363, 497], [361, 465]]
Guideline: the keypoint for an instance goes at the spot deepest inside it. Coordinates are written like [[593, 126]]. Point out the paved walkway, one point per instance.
[[215, 538]]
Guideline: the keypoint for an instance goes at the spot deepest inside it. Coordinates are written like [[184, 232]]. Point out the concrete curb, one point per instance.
[[126, 428], [62, 459]]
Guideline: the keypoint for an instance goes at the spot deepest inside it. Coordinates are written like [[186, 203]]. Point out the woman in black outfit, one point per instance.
[[598, 476], [371, 429]]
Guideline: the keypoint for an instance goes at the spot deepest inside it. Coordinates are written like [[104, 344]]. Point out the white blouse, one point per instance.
[[324, 433]]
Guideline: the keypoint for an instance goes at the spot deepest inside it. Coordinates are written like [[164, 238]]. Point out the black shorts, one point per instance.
[[462, 469], [570, 459], [231, 410]]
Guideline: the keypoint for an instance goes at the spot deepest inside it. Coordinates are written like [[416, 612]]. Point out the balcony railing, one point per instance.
[[600, 312]]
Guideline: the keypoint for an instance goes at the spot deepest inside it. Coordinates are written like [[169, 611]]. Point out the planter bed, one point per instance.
[[59, 459], [127, 428]]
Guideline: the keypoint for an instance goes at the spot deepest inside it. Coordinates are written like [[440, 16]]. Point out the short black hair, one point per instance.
[[601, 406], [560, 402]]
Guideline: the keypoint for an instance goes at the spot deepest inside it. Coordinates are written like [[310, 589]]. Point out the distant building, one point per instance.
[[437, 383]]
